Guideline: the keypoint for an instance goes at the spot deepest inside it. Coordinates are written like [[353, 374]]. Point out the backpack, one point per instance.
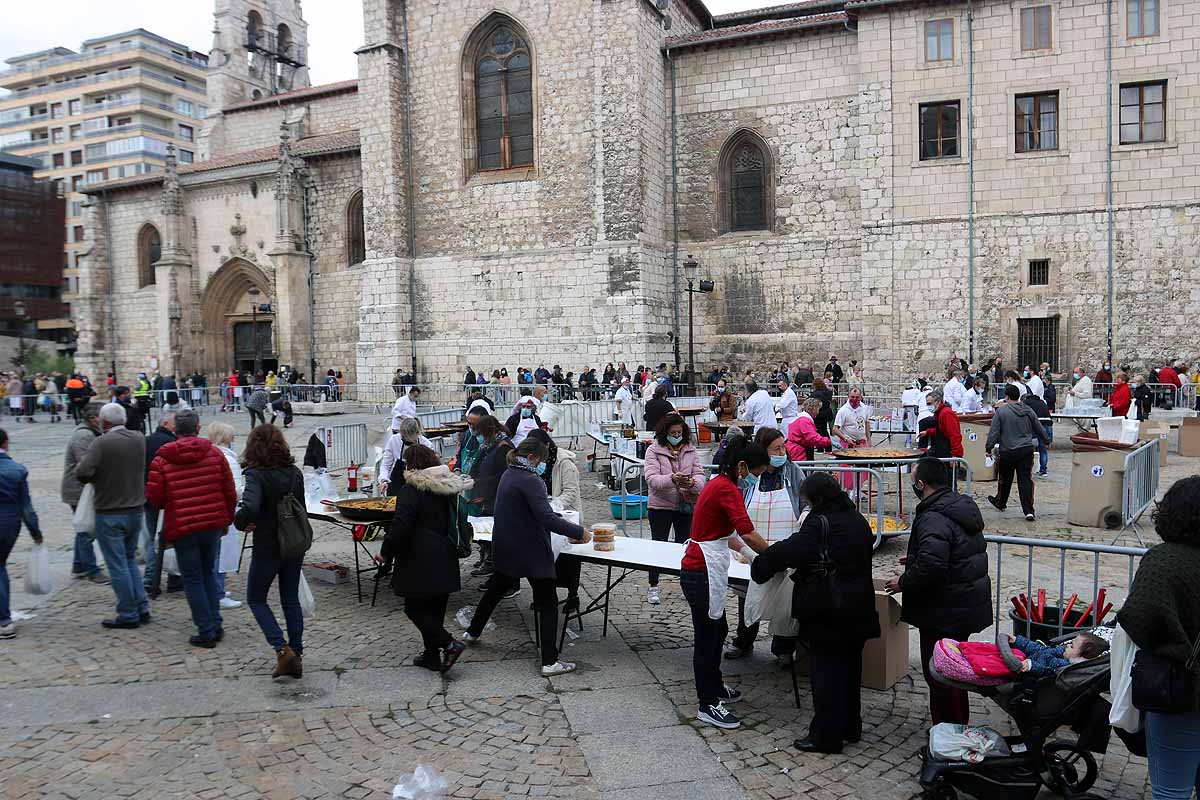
[[291, 527]]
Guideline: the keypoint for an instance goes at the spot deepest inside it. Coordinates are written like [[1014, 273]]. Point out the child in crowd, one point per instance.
[[1041, 659]]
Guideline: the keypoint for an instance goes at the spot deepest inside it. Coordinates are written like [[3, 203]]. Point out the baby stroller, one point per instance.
[[1039, 706]]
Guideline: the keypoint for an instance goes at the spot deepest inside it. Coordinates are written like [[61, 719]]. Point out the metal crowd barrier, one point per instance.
[[1139, 486], [998, 544], [344, 444]]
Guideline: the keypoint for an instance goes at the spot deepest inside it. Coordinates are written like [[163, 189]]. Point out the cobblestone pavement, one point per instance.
[[88, 713]]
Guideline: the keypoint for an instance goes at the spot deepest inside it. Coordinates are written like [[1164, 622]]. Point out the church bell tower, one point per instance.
[[260, 48]]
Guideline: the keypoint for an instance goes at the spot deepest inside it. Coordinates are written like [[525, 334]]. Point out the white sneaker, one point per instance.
[[558, 668], [468, 638], [229, 602], [719, 716], [8, 631], [652, 596]]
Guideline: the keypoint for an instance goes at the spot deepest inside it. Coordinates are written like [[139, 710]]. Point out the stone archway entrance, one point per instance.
[[229, 324]]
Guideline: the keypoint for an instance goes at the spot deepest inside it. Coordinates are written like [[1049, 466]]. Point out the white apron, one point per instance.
[[716, 560], [772, 515]]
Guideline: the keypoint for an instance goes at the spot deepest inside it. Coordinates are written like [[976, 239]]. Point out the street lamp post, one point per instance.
[[254, 293], [690, 268], [19, 310]]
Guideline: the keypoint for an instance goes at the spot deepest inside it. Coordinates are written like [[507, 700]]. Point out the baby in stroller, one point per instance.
[[1061, 686]]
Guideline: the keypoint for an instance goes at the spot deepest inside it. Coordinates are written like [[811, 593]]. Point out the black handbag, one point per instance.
[[1163, 684], [462, 545], [818, 592]]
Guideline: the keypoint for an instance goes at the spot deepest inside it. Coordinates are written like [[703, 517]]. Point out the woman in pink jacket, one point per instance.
[[802, 434], [675, 477]]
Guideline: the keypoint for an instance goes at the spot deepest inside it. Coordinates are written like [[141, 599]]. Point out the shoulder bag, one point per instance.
[[1164, 685], [291, 526], [818, 590], [462, 544]]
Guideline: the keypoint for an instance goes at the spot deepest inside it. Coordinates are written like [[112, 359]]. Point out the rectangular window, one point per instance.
[[939, 40], [76, 158], [76, 132], [95, 151], [58, 161], [1037, 341], [187, 133], [1142, 16], [1037, 122], [78, 231], [97, 175], [1143, 112], [939, 130], [57, 136], [75, 106], [184, 106], [1035, 28], [1039, 272], [95, 124], [186, 156], [76, 208], [56, 110]]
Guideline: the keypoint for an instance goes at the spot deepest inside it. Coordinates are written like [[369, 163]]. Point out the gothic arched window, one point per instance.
[[149, 250], [498, 89], [746, 184], [356, 240]]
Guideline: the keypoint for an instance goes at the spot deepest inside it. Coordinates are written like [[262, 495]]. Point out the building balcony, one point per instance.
[[110, 77], [23, 70]]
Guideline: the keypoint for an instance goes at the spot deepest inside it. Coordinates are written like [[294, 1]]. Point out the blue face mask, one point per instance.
[[749, 482], [541, 468], [662, 380], [720, 390], [778, 461], [526, 413], [675, 440], [479, 438]]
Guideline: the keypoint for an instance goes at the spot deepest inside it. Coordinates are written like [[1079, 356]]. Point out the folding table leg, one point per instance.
[[357, 568], [607, 598], [795, 680]]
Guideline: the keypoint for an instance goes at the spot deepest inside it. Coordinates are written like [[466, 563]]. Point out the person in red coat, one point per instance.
[[191, 481], [1121, 395], [944, 437]]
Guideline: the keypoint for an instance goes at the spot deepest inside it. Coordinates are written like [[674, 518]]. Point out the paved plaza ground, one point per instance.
[[90, 713]]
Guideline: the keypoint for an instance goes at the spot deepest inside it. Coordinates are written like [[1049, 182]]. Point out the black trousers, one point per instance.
[[566, 575], [1020, 463], [835, 673], [256, 415], [708, 636], [545, 601], [429, 615], [661, 522]]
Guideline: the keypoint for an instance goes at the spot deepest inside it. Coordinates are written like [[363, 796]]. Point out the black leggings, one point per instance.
[[545, 601], [661, 521], [429, 615]]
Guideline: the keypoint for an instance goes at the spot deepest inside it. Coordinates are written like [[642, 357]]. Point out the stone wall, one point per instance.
[[253, 128]]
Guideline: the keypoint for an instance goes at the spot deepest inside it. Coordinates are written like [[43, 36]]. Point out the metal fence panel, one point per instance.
[[344, 444]]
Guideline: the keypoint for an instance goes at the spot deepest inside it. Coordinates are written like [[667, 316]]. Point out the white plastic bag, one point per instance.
[[464, 615], [709, 416], [772, 601], [964, 743], [37, 571], [308, 603], [85, 511], [170, 562], [318, 486], [230, 558], [1123, 714], [424, 784]]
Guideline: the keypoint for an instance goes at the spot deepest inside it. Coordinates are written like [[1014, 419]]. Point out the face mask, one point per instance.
[[931, 409], [479, 438], [675, 440], [541, 468], [1077, 376], [917, 491], [1108, 366], [1025, 373], [749, 482], [778, 461], [854, 401], [662, 380], [526, 413], [720, 390]]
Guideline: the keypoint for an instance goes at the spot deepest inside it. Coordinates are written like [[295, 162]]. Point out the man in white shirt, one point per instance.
[[405, 408], [1034, 383], [789, 406], [973, 398], [624, 398], [954, 393], [853, 422], [1081, 389], [760, 408]]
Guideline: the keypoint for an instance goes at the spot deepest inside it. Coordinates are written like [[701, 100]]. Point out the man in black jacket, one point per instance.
[[834, 368], [153, 547], [947, 591]]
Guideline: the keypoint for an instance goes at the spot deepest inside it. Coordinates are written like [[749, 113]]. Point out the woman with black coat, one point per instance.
[[487, 471], [825, 416], [271, 473], [423, 544], [521, 548], [834, 632]]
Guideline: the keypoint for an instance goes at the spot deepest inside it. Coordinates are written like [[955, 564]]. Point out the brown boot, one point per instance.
[[288, 663], [297, 670]]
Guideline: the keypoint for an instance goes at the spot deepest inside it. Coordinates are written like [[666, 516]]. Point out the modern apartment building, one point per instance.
[[31, 236], [108, 111]]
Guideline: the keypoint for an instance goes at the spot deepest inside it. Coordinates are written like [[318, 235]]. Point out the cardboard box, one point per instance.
[[885, 660], [327, 572], [1156, 429], [1189, 437]]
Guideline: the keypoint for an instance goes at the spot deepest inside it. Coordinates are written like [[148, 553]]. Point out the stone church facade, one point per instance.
[[521, 182]]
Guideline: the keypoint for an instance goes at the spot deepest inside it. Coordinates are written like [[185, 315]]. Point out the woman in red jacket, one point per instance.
[[944, 437], [1121, 395], [704, 571]]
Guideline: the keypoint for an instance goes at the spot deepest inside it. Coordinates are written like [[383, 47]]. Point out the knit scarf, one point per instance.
[[521, 462]]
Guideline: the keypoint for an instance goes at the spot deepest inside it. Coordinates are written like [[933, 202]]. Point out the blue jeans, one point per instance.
[[1044, 449], [118, 535], [1173, 745], [262, 573], [7, 540], [197, 556], [83, 562], [150, 554]]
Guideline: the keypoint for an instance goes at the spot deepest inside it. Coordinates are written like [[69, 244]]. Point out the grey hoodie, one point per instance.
[[1014, 426]]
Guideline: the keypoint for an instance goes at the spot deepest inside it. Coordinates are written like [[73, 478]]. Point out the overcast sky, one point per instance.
[[334, 26]]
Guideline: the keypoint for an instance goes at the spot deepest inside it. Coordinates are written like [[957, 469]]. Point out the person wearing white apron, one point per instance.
[[789, 405], [624, 400], [774, 506], [704, 573]]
